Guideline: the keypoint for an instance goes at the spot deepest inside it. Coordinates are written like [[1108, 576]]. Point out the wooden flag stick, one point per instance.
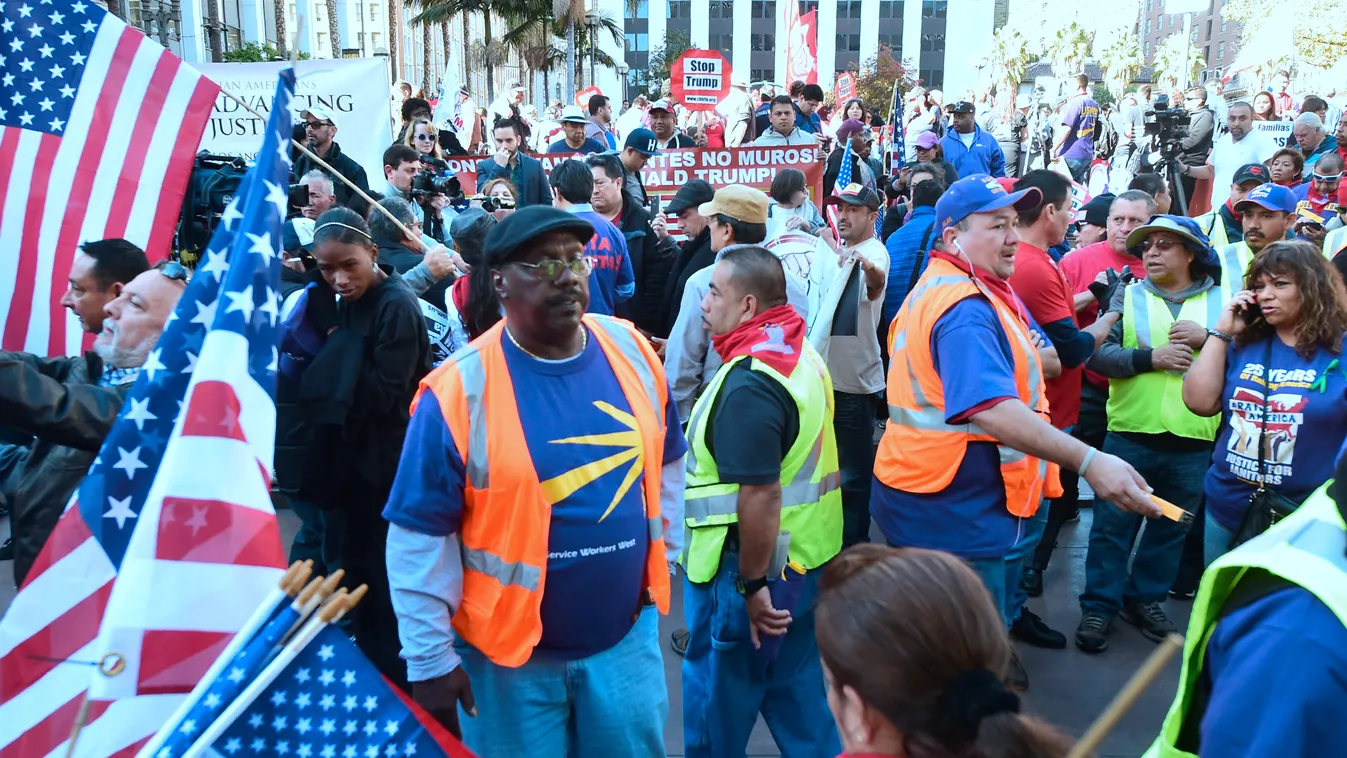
[[415, 238], [1127, 697]]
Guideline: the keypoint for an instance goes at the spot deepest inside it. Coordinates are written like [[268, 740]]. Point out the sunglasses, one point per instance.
[[425, 138], [318, 124], [551, 268], [175, 271], [1163, 244], [1318, 177]]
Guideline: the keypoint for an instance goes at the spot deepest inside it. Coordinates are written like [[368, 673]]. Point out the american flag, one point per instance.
[[328, 702], [897, 142], [171, 541], [98, 128], [843, 179]]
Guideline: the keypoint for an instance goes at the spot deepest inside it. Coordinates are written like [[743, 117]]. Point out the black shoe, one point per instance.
[[1183, 593], [1150, 618], [7, 550], [1031, 581], [1017, 678], [1032, 630], [679, 641], [1092, 634]]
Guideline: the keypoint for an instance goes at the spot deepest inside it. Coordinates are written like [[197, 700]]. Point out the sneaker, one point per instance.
[[1092, 634], [1031, 581], [1032, 630], [1183, 593], [7, 550], [1017, 678], [679, 641], [1150, 618]]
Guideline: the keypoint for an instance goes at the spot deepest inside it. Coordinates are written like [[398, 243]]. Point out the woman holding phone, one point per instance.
[[1273, 369]]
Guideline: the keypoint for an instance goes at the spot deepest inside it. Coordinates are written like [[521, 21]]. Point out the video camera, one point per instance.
[[299, 198], [434, 178], [492, 204], [1167, 126]]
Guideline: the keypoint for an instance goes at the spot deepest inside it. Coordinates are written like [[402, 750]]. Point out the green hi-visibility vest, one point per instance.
[[811, 483], [1305, 549], [1152, 403], [1234, 259], [1335, 242], [1214, 227]]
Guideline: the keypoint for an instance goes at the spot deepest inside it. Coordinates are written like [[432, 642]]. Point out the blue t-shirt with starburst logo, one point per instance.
[[586, 449]]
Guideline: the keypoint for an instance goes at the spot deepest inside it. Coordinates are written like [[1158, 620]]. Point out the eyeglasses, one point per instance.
[[425, 138], [1318, 177], [175, 271], [318, 124], [551, 268], [1163, 243]]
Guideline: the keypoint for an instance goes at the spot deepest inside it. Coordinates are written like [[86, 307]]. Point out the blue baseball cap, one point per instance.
[[980, 193], [1205, 259], [1274, 197], [643, 141]]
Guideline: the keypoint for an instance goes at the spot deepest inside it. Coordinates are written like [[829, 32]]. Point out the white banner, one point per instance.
[[1279, 131], [354, 90]]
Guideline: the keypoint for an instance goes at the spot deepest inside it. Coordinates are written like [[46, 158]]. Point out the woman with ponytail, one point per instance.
[[353, 402], [914, 654]]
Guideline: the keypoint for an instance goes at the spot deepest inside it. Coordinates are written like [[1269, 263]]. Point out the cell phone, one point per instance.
[[1171, 511], [1251, 313], [654, 205]]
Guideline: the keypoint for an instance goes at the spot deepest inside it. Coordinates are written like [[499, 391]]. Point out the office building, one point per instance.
[[1216, 38]]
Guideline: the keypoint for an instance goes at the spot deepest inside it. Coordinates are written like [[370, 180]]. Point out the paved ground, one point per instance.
[[1068, 687]]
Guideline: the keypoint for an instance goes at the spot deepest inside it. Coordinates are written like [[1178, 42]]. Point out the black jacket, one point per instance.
[[59, 402], [404, 259], [650, 262], [695, 255], [344, 164], [344, 420], [834, 168]]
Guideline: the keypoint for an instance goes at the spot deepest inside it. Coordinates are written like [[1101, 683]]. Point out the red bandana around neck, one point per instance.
[[775, 337], [999, 287], [458, 293]]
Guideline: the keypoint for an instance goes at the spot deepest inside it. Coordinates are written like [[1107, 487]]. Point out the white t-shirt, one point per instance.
[[1228, 155], [854, 362]]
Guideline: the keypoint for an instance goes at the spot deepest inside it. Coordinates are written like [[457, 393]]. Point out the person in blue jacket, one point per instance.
[[971, 150], [510, 162]]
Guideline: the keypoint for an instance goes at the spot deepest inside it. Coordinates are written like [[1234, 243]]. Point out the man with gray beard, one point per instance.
[[69, 404]]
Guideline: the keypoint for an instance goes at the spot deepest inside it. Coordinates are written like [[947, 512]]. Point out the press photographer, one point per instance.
[[309, 199], [1172, 152], [435, 190]]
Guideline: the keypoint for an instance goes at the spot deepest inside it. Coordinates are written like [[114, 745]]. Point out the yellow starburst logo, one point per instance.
[[564, 485]]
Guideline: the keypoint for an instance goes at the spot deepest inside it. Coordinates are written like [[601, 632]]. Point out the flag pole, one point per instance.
[[408, 233], [333, 609]]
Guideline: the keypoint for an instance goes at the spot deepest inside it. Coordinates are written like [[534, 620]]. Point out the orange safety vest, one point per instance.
[[919, 452], [506, 517]]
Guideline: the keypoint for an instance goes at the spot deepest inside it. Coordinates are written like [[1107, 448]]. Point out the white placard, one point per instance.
[[355, 90], [1279, 131]]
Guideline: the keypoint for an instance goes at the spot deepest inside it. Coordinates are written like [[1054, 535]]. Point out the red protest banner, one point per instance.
[[671, 169], [846, 87], [700, 79]]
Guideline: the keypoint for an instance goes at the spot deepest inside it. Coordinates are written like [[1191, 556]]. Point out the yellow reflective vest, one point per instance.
[[1152, 402], [1305, 549], [1214, 227], [811, 481]]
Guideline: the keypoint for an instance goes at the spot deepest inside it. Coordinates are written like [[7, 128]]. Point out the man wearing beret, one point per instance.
[[543, 461]]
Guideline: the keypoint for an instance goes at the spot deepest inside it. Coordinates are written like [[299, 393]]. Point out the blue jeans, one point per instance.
[[854, 426], [992, 572], [311, 542], [726, 682], [1021, 556], [1176, 477], [611, 703], [1215, 540], [1078, 168]]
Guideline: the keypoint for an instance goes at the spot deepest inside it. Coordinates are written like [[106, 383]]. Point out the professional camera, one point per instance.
[[1167, 126], [492, 204], [432, 183], [214, 181]]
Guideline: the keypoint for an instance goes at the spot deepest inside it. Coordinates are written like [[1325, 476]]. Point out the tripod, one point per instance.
[[1168, 167]]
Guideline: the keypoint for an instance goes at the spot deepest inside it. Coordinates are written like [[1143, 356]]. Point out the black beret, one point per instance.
[[527, 224]]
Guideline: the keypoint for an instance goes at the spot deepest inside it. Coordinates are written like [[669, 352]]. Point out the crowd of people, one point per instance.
[[851, 426]]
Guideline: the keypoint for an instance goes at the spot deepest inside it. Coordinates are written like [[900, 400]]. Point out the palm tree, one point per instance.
[[1008, 58], [115, 8], [394, 70], [1170, 65], [1121, 60], [213, 32], [1068, 49], [280, 8], [426, 49], [333, 30], [585, 44], [435, 11]]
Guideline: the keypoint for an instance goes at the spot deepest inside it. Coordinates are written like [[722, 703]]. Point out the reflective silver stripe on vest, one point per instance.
[[800, 490], [508, 573], [626, 344], [1230, 254], [468, 361], [1322, 539], [1140, 313], [656, 528], [1214, 308]]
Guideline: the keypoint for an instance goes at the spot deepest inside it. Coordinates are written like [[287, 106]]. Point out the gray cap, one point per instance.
[[469, 230]]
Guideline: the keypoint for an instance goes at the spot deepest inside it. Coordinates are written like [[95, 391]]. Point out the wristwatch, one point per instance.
[[1222, 336], [748, 587]]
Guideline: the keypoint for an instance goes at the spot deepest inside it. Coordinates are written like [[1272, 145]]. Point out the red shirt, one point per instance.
[[1081, 267], [1047, 294]]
